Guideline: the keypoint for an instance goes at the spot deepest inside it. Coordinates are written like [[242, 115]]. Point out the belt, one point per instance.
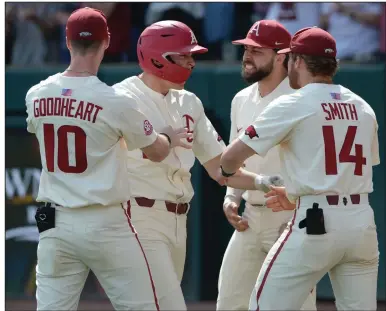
[[256, 204], [177, 208], [334, 200]]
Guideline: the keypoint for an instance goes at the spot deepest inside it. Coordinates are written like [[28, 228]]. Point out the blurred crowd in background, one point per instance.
[[35, 32]]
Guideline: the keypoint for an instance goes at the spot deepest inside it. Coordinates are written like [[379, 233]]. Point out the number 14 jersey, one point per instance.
[[79, 122], [328, 139]]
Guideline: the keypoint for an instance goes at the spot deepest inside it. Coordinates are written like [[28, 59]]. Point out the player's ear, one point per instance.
[[68, 44], [297, 59], [280, 58], [107, 43]]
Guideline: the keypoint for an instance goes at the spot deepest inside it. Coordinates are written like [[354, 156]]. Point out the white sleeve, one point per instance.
[[235, 194], [135, 127], [233, 132], [375, 148], [207, 144], [30, 113], [274, 124]]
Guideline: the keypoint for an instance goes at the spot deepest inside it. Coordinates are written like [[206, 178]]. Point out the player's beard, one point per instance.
[[258, 74]]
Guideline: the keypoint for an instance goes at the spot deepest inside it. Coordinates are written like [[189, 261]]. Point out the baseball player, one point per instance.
[[258, 229], [161, 192], [328, 145], [84, 223]]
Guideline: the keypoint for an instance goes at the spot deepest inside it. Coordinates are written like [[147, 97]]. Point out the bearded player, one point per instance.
[[258, 228], [328, 139]]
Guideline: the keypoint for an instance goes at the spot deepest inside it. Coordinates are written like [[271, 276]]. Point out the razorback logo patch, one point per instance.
[[148, 127], [251, 132]]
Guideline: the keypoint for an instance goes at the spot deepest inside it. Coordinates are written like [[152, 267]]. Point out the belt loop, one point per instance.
[[332, 199], [355, 198]]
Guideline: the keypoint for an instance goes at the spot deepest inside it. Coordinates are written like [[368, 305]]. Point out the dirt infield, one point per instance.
[[103, 305]]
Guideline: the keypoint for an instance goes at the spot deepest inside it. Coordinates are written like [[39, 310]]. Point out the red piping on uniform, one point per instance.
[[128, 215], [258, 294]]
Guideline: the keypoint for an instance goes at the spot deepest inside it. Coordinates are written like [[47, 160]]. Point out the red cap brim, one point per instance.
[[284, 51], [248, 41]]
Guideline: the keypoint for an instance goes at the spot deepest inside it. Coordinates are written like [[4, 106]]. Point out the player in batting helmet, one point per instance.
[[164, 46]]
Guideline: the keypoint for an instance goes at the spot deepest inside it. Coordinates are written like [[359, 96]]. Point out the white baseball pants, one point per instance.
[[163, 237], [101, 239], [297, 261], [245, 255]]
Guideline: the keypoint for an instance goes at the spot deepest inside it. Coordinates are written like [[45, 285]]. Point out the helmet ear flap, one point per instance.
[[156, 63]]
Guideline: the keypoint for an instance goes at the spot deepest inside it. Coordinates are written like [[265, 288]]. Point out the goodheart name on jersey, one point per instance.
[[339, 111], [66, 107]]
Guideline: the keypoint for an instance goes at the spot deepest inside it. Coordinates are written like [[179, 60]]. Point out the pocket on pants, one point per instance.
[[366, 245], [315, 251], [48, 253], [46, 234]]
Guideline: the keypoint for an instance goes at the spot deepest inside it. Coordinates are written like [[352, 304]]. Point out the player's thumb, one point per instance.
[[233, 206], [271, 193]]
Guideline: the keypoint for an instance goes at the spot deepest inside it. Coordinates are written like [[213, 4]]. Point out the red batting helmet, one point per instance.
[[162, 39]]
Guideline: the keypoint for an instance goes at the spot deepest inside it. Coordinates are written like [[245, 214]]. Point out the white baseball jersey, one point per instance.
[[328, 140], [247, 105], [78, 123], [170, 179]]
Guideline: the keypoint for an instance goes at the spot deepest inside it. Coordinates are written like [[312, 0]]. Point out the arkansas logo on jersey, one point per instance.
[[147, 127], [251, 132], [188, 120]]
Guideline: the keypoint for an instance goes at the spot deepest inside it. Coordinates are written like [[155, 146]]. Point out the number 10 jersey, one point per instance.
[[79, 122]]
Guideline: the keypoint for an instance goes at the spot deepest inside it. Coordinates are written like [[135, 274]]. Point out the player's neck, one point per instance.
[[157, 84], [82, 67], [270, 83], [308, 79]]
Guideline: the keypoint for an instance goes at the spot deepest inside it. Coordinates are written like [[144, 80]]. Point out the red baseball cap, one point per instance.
[[87, 24], [268, 34], [312, 41]]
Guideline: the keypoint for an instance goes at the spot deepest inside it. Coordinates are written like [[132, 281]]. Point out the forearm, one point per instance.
[[234, 195], [243, 180], [235, 155], [158, 150]]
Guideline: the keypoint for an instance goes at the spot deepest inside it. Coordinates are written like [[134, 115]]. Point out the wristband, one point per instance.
[[168, 137], [225, 174], [258, 182]]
